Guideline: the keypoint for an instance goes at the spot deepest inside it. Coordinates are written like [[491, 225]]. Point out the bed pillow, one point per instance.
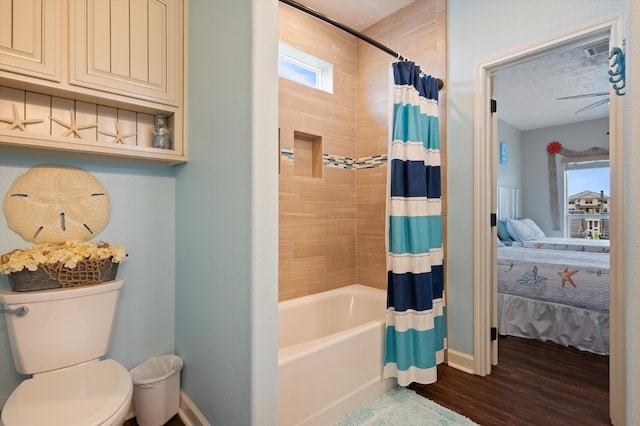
[[535, 228], [500, 243], [503, 234], [519, 230]]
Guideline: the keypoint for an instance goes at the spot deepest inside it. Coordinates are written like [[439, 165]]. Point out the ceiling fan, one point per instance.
[[589, 95]]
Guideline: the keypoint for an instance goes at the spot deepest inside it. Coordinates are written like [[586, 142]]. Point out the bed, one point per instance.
[[557, 295], [526, 233], [571, 244]]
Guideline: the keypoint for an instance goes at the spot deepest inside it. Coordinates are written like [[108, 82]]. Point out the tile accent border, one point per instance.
[[371, 162], [338, 161], [286, 153], [342, 162]]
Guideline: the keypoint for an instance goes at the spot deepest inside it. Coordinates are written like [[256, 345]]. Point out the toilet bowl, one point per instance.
[[59, 336], [92, 393]]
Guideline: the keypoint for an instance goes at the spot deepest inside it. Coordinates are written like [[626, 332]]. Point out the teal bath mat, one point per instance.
[[403, 407]]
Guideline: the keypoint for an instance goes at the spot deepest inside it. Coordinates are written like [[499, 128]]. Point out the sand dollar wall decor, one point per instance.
[[54, 204]]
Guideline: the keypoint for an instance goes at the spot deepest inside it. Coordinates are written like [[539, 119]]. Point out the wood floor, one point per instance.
[[173, 421], [535, 383]]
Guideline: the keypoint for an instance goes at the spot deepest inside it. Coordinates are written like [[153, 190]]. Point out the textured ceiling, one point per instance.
[[528, 91]]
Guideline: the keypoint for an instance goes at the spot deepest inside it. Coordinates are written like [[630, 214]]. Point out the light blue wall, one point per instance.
[[226, 211], [478, 31], [202, 237], [535, 189], [143, 221]]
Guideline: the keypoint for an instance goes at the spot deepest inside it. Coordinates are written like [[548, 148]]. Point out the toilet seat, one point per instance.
[[89, 394]]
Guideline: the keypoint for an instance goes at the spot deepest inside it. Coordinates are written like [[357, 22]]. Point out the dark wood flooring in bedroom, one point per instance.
[[535, 383]]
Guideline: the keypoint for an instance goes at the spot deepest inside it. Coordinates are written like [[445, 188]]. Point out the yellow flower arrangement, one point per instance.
[[67, 254]]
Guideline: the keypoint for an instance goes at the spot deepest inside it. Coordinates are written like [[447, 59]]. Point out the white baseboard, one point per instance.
[[189, 413], [460, 361]]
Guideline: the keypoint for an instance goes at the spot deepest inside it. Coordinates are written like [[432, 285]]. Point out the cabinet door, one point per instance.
[[30, 37], [133, 48]]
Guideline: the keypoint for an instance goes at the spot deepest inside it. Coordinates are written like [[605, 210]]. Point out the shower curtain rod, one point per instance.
[[351, 31]]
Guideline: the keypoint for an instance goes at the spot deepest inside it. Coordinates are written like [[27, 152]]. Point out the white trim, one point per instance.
[[617, 316], [189, 413], [460, 361], [483, 205]]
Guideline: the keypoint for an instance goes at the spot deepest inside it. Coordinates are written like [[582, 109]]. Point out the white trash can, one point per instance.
[[156, 389]]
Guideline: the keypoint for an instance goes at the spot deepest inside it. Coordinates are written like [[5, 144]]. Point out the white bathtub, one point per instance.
[[330, 354]]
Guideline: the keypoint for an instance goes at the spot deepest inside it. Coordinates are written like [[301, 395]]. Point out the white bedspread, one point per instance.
[[573, 278], [562, 296]]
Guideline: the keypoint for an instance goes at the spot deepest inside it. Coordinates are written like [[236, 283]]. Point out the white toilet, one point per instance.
[[59, 341]]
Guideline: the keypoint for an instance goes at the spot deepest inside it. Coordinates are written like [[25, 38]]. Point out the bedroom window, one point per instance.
[[303, 68], [587, 199]]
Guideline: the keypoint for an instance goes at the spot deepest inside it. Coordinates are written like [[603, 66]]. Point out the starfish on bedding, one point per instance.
[[566, 277]]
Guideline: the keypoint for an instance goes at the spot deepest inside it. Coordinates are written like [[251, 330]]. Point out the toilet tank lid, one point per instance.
[[9, 297]]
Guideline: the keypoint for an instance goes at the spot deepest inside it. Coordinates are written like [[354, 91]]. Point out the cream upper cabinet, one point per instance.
[[133, 48], [89, 77], [30, 38]]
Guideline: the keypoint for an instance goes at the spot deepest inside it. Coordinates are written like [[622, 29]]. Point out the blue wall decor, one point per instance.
[[504, 155]]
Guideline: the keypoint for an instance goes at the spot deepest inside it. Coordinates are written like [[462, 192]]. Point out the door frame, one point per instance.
[[485, 181]]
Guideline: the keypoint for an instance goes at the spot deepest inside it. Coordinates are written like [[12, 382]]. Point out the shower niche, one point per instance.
[[307, 155]]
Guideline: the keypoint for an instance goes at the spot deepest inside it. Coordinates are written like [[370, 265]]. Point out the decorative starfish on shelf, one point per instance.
[[17, 123], [118, 136], [72, 126]]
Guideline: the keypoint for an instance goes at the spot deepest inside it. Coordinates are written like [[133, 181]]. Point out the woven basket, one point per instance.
[[56, 276]]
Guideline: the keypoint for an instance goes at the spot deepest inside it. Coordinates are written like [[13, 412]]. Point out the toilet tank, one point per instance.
[[62, 327]]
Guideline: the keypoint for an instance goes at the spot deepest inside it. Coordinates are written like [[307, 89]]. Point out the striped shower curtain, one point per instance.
[[416, 326]]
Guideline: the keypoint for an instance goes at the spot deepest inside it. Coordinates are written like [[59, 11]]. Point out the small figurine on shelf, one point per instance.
[[161, 133]]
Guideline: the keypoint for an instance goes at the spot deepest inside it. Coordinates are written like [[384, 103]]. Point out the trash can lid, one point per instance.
[[156, 369]]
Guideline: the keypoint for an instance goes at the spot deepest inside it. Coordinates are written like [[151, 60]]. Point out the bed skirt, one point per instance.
[[566, 325]]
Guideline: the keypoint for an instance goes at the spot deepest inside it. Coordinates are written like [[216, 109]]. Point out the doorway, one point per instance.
[[485, 166]]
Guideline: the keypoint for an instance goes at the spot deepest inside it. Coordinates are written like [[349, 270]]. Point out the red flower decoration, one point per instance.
[[554, 147]]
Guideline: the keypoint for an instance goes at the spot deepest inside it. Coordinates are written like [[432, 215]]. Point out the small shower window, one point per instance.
[[304, 68]]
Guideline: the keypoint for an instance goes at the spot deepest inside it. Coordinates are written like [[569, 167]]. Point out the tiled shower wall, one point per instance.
[[333, 148], [317, 214], [417, 32]]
